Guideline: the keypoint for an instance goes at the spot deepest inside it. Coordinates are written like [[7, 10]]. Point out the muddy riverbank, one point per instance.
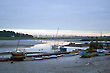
[[72, 64]]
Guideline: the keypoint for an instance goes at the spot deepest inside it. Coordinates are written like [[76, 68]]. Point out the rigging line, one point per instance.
[[17, 44], [57, 31], [57, 35]]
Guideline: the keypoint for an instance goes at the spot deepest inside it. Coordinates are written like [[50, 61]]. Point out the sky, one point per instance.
[[71, 16]]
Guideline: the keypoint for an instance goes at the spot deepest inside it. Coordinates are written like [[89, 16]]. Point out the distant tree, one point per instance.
[[5, 33]]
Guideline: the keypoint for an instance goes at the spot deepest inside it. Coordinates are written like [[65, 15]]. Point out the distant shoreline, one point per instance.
[[35, 38], [15, 38], [100, 39], [27, 38]]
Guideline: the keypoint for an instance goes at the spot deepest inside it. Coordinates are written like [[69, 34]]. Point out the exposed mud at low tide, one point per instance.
[[72, 64]]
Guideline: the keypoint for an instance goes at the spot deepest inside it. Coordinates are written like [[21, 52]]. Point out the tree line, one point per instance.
[[5, 33]]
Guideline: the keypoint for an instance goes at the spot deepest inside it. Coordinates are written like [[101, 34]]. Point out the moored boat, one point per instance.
[[55, 47], [39, 58], [85, 54], [4, 59], [17, 56], [53, 56], [46, 57]]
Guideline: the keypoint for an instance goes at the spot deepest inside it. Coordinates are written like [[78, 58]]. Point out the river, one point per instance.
[[35, 45]]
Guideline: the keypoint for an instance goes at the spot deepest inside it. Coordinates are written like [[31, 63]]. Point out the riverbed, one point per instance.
[[73, 64]]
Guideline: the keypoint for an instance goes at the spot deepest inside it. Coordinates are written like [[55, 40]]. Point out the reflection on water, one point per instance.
[[10, 45], [12, 48], [39, 46], [44, 46], [47, 47]]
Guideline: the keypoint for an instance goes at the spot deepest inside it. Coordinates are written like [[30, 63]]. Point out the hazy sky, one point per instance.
[[74, 15]]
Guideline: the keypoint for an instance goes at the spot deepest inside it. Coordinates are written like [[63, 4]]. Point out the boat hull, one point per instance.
[[17, 58]]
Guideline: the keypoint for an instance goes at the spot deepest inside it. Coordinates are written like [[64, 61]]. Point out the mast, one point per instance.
[[55, 46], [101, 34], [57, 32], [17, 44]]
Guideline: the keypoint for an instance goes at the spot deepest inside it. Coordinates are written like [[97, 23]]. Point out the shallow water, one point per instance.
[[38, 45]]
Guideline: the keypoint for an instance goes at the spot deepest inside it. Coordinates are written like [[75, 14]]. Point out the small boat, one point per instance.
[[63, 54], [101, 54], [85, 54], [53, 56], [59, 55], [71, 54], [67, 55], [46, 57], [55, 47], [17, 53], [4, 59], [17, 56], [76, 53], [63, 49], [94, 54], [39, 58]]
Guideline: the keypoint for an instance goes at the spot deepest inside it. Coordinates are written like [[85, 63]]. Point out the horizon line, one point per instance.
[[35, 32]]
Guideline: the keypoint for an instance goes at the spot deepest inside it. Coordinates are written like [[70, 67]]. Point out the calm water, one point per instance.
[[35, 45]]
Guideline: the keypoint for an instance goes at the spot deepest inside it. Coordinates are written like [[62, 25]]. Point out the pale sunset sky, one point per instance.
[[73, 17]]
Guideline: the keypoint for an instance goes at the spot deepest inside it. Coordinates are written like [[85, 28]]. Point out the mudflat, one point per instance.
[[73, 64]]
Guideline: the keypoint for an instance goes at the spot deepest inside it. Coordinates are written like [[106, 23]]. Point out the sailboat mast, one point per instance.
[[101, 34], [17, 44], [57, 32]]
